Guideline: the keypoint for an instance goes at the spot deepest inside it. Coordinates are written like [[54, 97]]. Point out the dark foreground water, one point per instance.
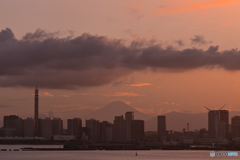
[[106, 155]]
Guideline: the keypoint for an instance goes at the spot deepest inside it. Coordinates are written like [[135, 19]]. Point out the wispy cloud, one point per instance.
[[115, 94], [172, 110], [199, 39], [68, 95], [135, 10], [88, 94], [121, 94], [150, 111], [65, 106], [138, 84], [45, 94], [127, 102], [147, 111], [178, 9], [73, 107], [169, 103], [180, 42], [18, 99]]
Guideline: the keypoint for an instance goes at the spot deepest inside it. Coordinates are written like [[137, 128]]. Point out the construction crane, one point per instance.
[[216, 113]]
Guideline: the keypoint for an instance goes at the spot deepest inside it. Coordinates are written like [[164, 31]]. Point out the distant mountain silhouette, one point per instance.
[[176, 121], [116, 108]]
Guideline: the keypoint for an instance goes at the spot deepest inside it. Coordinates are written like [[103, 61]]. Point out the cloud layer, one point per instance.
[[48, 61]]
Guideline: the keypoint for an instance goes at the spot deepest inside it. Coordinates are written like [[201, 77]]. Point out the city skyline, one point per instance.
[[106, 114], [120, 107], [124, 130], [158, 57]]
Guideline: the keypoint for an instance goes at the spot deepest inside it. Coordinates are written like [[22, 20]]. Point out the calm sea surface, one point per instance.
[[103, 155]]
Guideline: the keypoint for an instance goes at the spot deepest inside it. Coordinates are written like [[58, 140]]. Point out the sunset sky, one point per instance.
[[157, 56]]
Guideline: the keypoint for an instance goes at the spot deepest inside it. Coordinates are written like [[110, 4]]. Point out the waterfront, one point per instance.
[[107, 155], [28, 146]]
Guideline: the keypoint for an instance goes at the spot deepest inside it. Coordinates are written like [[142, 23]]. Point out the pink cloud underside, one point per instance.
[[138, 84], [116, 94], [45, 94]]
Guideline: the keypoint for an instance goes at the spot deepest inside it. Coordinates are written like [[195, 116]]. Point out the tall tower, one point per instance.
[[36, 111]]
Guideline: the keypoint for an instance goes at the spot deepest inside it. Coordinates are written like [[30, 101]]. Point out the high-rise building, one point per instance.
[[36, 112], [222, 117], [235, 124], [222, 129], [45, 128], [94, 126], [75, 127], [2, 132], [137, 130], [162, 127], [128, 129], [57, 126], [6, 118], [211, 123], [86, 134], [14, 127], [119, 129], [105, 131], [119, 118], [29, 127], [129, 117]]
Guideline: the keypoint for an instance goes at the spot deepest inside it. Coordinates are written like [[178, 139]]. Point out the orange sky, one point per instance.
[[197, 5], [172, 23]]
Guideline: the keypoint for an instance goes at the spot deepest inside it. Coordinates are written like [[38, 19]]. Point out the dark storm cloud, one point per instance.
[[39, 35], [45, 60], [6, 35]]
